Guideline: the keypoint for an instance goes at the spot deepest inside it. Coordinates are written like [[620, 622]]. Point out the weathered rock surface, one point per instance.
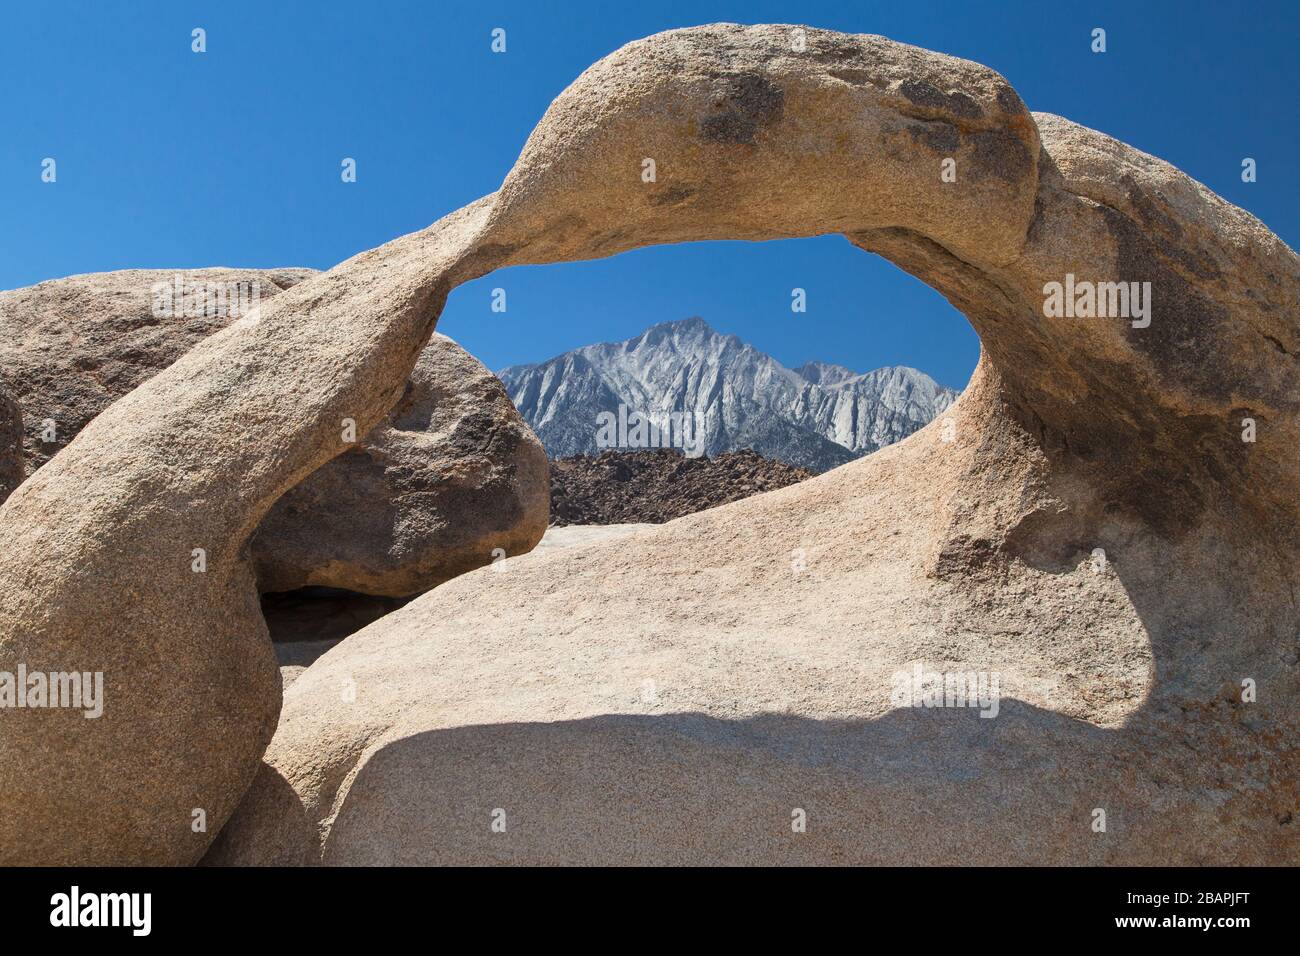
[[306, 624], [295, 657], [450, 475], [96, 558], [453, 477], [1092, 528], [577, 535], [71, 347]]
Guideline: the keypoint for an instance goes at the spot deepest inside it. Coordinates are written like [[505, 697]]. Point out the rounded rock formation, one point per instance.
[[453, 478], [453, 474], [71, 347], [1086, 525]]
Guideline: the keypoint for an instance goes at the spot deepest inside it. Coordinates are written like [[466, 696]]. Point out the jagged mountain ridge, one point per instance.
[[817, 416]]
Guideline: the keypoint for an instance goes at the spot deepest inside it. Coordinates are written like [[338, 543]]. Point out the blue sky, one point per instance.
[[168, 158]]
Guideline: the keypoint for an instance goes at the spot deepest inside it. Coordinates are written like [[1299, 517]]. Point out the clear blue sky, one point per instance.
[[167, 158]]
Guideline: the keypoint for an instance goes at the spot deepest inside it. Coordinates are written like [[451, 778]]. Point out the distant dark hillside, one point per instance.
[[618, 487]]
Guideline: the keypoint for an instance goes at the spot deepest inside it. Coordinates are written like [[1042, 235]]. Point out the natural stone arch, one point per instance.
[[1072, 434]]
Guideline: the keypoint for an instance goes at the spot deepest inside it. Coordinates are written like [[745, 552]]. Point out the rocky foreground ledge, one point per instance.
[[1091, 528]]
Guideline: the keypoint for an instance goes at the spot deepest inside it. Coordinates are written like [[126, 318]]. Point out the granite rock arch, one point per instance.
[[1074, 434]]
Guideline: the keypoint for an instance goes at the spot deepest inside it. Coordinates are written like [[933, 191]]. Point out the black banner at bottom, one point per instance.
[[337, 905]]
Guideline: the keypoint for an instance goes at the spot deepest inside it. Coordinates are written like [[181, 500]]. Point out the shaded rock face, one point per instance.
[[619, 487], [1092, 529], [450, 480], [452, 474], [12, 470]]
